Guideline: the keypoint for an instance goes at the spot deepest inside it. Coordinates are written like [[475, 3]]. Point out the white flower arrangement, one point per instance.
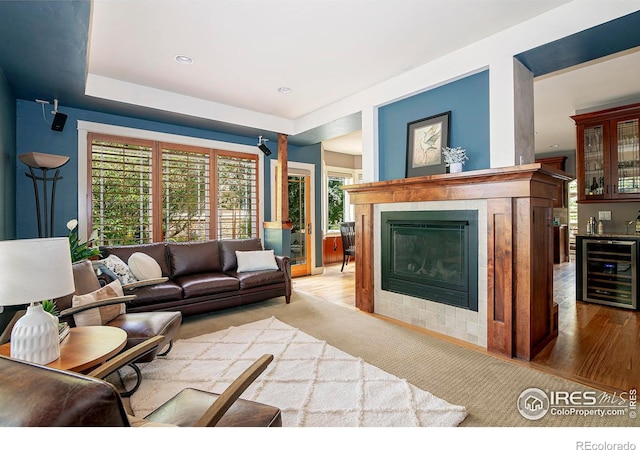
[[454, 155]]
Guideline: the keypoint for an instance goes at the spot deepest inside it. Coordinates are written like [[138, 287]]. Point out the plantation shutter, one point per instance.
[[186, 199], [237, 196], [121, 192], [147, 191]]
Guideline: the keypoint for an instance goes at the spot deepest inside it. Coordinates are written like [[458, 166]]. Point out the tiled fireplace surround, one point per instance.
[[470, 326]]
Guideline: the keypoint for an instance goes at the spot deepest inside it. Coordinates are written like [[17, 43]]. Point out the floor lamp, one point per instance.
[[44, 162]]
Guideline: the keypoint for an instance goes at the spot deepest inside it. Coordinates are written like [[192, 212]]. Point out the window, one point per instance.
[[335, 202], [237, 196], [336, 206], [121, 192], [148, 191]]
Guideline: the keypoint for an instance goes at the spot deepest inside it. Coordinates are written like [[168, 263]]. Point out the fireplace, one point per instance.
[[431, 255]]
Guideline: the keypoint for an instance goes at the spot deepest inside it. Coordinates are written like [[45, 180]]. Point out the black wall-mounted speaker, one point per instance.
[[264, 149], [58, 121]]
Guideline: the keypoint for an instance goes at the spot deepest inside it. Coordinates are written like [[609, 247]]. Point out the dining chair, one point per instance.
[[348, 234]]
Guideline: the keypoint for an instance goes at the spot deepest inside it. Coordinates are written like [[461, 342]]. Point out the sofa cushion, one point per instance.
[[207, 283], [156, 250], [102, 315], [144, 325], [141, 283], [256, 260], [156, 294], [228, 249], [85, 281], [186, 258], [250, 280]]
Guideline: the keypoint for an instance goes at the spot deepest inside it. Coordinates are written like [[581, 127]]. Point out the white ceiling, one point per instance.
[[350, 144], [324, 50]]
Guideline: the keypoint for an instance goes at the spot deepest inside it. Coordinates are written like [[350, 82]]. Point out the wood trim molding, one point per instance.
[[500, 285]]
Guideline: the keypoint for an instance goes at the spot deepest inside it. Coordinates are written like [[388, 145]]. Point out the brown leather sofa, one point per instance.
[[203, 276]]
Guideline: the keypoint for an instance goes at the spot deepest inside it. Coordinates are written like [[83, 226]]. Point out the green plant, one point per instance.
[[50, 307], [80, 250], [336, 202]]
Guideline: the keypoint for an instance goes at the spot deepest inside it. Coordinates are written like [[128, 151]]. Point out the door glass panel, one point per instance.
[[628, 157], [297, 214], [593, 161]]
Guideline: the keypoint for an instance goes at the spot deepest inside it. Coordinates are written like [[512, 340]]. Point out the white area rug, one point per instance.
[[313, 383]]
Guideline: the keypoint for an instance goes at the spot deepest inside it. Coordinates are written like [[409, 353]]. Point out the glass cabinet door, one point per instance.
[[594, 170], [628, 155]]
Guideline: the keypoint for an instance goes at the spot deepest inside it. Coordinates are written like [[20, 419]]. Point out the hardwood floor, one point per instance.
[[597, 345], [334, 286]]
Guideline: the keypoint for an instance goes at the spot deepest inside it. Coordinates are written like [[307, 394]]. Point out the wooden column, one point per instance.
[[500, 276], [277, 233], [282, 180], [364, 257]]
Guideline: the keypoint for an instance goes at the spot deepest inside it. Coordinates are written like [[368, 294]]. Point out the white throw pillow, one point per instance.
[[103, 314], [144, 267], [256, 260], [119, 268]]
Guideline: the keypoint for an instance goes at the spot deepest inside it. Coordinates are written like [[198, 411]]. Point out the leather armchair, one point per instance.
[[32, 395], [139, 326]]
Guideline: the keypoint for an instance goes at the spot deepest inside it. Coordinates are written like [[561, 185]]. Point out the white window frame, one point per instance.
[[85, 127], [351, 177]]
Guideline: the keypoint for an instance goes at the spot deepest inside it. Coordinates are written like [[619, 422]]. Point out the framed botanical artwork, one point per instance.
[[425, 139]]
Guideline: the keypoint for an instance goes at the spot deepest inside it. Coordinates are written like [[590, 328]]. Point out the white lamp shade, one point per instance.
[[32, 270]]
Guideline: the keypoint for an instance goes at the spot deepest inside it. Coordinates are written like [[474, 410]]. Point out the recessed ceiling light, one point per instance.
[[184, 59], [554, 146], [284, 90]]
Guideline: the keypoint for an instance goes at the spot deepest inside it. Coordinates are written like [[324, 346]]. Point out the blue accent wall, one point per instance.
[[34, 135], [468, 101], [7, 159]]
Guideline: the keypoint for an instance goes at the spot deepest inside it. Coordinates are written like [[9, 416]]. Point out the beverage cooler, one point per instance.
[[607, 272]]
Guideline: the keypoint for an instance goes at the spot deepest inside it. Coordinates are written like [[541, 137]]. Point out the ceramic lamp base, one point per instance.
[[34, 337]]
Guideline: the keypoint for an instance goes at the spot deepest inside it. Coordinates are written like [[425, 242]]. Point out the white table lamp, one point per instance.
[[32, 270]]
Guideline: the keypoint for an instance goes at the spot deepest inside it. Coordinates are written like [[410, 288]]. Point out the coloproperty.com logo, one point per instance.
[[534, 403]]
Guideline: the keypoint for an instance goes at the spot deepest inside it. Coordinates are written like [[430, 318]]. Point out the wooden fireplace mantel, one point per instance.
[[520, 311]]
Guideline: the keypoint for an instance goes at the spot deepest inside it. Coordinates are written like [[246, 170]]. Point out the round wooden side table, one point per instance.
[[84, 348]]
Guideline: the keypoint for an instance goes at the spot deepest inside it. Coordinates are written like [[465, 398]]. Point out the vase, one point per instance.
[[455, 167], [34, 337]]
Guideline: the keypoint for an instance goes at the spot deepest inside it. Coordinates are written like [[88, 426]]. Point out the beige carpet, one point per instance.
[[313, 383], [488, 387]]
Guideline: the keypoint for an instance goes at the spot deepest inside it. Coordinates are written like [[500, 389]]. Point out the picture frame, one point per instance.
[[425, 139]]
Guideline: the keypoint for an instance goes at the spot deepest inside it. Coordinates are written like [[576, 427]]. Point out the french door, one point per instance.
[[299, 207]]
